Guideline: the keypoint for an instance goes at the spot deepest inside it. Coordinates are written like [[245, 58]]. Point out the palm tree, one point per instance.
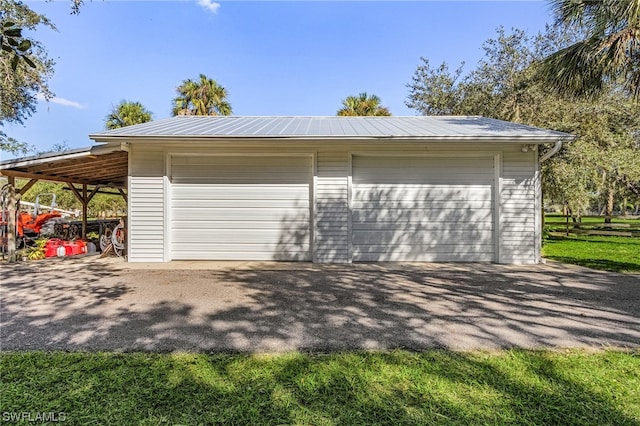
[[127, 113], [363, 104], [203, 97], [609, 51]]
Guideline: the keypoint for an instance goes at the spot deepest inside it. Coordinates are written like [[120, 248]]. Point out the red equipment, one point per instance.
[[33, 224]]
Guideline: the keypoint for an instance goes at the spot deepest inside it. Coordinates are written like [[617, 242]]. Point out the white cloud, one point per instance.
[[61, 101], [211, 6]]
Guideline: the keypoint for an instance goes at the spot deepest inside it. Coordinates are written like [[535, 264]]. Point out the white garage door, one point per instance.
[[422, 209], [240, 207]]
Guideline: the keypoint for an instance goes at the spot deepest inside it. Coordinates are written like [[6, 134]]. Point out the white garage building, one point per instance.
[[334, 189]]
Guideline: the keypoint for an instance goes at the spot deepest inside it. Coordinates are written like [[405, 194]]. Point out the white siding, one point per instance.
[[518, 208], [413, 208], [230, 207], [336, 227], [146, 240], [332, 209]]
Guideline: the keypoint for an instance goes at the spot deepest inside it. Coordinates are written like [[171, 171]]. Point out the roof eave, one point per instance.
[[53, 156], [210, 138]]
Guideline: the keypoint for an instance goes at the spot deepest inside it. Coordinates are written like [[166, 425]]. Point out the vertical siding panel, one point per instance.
[[146, 205], [518, 208], [332, 208]]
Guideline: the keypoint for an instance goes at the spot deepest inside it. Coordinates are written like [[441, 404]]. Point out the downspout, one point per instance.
[[551, 152], [544, 158]]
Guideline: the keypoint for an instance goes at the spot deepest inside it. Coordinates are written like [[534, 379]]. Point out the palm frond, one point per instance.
[[362, 105], [202, 97], [575, 70], [127, 113], [608, 53]]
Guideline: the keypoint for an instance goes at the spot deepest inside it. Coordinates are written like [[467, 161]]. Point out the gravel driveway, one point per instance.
[[104, 304]]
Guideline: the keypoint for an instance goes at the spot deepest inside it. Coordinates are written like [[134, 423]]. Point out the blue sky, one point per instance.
[[274, 58]]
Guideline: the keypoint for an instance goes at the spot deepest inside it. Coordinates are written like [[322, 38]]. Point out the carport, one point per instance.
[[85, 171]]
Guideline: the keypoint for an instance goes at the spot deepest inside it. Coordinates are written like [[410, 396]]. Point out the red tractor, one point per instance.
[[31, 225], [40, 223]]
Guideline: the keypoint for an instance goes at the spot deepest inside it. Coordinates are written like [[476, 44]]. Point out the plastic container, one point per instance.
[[74, 248], [91, 247], [56, 247], [51, 249], [80, 247], [68, 248]]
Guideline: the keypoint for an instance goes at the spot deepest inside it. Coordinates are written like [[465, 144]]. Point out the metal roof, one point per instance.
[[419, 127], [105, 165], [45, 156]]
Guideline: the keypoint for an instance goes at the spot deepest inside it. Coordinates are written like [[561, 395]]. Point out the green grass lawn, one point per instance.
[[362, 388], [618, 254]]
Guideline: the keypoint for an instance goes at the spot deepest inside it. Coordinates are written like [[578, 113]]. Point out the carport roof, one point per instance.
[[454, 128], [103, 165]]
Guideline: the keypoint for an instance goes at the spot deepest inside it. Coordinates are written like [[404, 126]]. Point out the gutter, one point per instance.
[[323, 138], [552, 152]]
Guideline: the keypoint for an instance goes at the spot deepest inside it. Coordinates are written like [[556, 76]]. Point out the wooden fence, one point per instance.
[[553, 226]]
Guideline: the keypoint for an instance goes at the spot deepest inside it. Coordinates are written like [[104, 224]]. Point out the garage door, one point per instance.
[[422, 209], [240, 207]]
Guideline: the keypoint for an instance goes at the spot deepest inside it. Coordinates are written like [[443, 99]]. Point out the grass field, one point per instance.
[[618, 254], [393, 388], [609, 253]]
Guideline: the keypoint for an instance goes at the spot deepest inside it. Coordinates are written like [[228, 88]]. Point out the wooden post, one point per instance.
[[27, 187], [96, 189], [84, 199], [85, 202], [75, 191], [12, 205], [124, 195]]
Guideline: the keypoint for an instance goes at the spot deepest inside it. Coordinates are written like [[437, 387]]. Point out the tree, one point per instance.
[[602, 165], [24, 69], [441, 96], [503, 83], [13, 146], [24, 65], [11, 41], [202, 97], [608, 51], [363, 104], [127, 113]]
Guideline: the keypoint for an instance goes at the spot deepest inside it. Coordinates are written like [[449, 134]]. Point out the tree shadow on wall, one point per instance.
[[386, 227]]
